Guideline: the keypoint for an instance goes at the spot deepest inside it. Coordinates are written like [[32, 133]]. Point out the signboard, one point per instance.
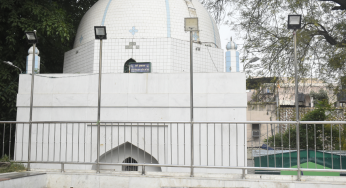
[[144, 67]]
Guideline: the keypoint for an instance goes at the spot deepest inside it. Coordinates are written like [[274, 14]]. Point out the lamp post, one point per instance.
[[191, 24], [294, 22], [32, 39], [251, 61], [11, 64], [100, 34]]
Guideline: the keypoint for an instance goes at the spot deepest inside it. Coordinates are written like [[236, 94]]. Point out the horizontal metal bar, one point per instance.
[[133, 107], [57, 162], [322, 170], [188, 166], [196, 122], [322, 122], [34, 122]]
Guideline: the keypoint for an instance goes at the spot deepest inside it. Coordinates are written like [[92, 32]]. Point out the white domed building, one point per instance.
[[137, 31], [145, 31]]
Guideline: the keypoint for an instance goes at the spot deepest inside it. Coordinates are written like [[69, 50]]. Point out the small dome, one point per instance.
[[231, 45], [30, 51]]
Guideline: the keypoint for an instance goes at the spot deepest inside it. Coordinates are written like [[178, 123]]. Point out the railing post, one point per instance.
[[192, 151], [62, 167], [191, 102], [243, 175], [143, 170], [298, 151]]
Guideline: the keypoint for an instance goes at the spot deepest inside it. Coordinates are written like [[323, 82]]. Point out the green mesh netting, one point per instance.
[[290, 159]]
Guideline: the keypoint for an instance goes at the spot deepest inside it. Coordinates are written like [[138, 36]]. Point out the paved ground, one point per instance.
[[15, 175]]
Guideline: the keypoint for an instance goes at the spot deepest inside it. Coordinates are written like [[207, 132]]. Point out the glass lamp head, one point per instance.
[[191, 24], [294, 22], [100, 32]]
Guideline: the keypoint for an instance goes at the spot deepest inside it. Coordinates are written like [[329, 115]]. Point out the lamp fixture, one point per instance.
[[294, 22], [191, 24], [31, 36], [100, 32]]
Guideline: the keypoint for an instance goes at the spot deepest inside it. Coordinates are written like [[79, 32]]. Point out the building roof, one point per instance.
[[146, 19]]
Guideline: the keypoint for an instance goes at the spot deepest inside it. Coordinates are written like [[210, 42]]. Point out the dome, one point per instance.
[[231, 45], [30, 51], [146, 19]]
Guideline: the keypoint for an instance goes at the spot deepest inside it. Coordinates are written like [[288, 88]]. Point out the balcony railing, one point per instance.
[[140, 146]]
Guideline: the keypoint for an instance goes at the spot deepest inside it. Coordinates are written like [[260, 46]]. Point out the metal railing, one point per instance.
[[152, 146]]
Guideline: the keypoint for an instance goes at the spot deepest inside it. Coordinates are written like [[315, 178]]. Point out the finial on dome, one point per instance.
[[231, 45]]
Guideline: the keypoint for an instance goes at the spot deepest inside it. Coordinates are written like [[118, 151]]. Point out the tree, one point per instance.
[[319, 96], [321, 48], [340, 2], [56, 22], [324, 133]]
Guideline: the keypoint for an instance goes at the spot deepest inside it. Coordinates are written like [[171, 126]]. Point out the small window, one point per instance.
[[255, 126], [129, 168]]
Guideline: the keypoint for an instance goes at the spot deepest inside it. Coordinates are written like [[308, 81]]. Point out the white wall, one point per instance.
[[135, 97], [167, 55]]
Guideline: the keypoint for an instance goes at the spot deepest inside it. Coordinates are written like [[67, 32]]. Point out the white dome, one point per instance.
[[231, 45], [145, 19], [31, 49]]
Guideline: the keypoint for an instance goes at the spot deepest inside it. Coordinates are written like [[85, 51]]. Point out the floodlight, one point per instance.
[[191, 24], [100, 32], [31, 36], [294, 22]]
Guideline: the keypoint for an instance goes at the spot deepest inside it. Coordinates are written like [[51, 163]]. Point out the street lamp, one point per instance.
[[32, 39], [11, 64], [191, 24], [100, 33], [31, 36], [294, 22], [251, 61]]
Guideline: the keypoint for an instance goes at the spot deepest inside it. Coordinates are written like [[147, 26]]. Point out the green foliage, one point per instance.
[[5, 158], [319, 96], [56, 22], [8, 92], [13, 167], [324, 133], [262, 25]]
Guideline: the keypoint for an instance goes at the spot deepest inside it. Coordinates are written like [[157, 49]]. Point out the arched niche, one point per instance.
[[127, 65], [122, 152], [127, 167]]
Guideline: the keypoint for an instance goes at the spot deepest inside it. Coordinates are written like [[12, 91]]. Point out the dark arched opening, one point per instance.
[[129, 168], [122, 153], [127, 65]]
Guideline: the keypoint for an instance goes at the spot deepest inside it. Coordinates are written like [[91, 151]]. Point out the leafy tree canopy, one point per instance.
[[319, 96], [321, 43], [56, 22]]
